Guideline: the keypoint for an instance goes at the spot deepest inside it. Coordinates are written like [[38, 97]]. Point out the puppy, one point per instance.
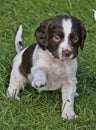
[[51, 63]]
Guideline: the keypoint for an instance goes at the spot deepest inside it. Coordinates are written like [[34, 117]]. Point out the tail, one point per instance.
[[18, 40]]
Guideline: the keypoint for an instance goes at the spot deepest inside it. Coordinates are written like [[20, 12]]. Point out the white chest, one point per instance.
[[57, 71]]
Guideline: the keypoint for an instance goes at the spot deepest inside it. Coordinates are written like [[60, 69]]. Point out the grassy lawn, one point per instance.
[[43, 111]]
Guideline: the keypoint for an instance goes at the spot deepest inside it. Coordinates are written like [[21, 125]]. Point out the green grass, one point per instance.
[[43, 111]]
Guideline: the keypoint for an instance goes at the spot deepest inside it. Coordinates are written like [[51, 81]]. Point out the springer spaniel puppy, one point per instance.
[[51, 63]]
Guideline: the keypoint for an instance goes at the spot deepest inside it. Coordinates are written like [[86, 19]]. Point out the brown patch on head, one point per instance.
[[83, 36], [48, 29], [49, 34], [80, 32], [26, 64], [41, 34]]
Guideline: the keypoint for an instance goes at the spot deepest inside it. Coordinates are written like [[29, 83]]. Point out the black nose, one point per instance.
[[66, 53]]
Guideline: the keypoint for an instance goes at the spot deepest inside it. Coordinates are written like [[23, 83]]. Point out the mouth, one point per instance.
[[63, 57], [66, 58]]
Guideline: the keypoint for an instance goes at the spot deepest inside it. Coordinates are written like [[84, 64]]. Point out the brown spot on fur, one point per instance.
[[26, 64]]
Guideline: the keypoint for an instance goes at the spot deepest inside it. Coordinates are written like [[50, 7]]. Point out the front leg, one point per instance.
[[68, 94], [39, 77]]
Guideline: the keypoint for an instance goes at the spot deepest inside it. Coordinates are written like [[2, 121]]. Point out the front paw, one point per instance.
[[39, 77], [68, 114], [39, 83]]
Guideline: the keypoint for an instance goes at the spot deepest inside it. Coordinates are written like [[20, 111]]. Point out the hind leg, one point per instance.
[[17, 82]]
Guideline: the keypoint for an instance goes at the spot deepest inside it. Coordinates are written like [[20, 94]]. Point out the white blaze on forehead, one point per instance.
[[67, 25]]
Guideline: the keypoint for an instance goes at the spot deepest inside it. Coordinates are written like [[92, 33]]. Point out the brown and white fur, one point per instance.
[[51, 63]]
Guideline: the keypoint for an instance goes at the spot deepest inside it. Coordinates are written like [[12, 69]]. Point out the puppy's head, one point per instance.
[[62, 36]]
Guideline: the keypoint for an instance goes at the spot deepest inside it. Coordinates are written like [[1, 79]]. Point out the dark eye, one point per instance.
[[75, 39], [56, 38]]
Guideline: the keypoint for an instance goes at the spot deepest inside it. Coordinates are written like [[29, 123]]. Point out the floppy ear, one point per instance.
[[41, 34], [83, 36]]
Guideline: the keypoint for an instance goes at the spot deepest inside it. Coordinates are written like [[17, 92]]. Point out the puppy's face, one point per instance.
[[62, 36]]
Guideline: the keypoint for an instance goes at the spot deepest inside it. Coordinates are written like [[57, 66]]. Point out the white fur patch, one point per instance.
[[67, 25], [18, 39]]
